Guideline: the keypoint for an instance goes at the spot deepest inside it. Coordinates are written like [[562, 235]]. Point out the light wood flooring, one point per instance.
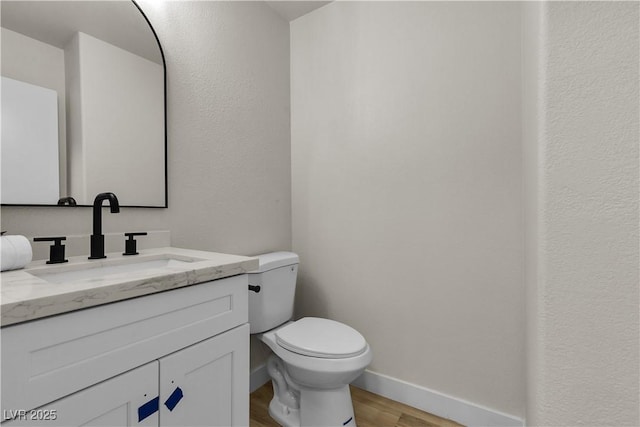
[[371, 411]]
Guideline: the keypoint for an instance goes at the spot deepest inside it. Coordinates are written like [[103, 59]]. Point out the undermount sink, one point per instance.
[[103, 269]]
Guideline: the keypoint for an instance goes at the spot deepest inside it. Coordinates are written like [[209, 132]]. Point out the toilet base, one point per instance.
[[326, 407], [317, 408], [284, 415]]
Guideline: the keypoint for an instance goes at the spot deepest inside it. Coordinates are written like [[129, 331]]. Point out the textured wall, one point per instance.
[[585, 318], [229, 172], [406, 165]]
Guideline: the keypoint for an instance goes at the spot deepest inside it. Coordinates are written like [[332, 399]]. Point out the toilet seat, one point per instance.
[[317, 372], [322, 338]]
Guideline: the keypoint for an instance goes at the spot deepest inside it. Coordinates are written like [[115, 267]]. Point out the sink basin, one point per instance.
[[104, 269]]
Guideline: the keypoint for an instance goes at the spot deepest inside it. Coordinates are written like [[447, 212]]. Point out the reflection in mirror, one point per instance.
[[83, 104]]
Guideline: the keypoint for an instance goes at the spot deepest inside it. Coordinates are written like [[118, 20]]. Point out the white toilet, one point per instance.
[[314, 359]]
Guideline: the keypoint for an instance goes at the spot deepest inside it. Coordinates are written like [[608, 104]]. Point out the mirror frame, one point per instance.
[[166, 180]]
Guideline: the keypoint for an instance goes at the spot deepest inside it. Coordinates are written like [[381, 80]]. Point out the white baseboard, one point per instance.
[[452, 408], [466, 413], [258, 377]]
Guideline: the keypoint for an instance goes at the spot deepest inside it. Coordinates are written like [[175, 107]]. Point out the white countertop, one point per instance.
[[26, 296]]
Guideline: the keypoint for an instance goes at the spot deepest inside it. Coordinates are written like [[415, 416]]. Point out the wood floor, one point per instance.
[[371, 411]]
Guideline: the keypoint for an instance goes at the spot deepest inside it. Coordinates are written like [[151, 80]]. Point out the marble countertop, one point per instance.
[[27, 296]]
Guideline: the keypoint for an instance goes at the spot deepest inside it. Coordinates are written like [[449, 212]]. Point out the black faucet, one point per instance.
[[97, 238]]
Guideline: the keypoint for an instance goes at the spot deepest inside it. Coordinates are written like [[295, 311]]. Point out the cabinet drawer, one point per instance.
[[56, 356], [114, 402]]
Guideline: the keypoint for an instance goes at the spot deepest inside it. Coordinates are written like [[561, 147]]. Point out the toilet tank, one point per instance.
[[273, 305]]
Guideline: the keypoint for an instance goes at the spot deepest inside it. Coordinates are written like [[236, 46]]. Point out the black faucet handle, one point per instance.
[[130, 243], [56, 251], [67, 201]]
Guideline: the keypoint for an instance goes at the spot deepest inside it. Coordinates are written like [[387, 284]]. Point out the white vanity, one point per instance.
[[158, 339]]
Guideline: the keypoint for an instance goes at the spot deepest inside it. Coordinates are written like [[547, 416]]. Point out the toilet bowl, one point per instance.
[[313, 360]]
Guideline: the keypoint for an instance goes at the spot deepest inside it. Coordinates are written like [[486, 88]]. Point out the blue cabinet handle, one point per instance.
[[173, 400], [148, 408]]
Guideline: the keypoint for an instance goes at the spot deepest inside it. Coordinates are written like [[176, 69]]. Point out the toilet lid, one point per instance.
[[312, 336]]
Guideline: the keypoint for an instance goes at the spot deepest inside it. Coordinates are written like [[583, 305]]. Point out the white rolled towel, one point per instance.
[[15, 252]]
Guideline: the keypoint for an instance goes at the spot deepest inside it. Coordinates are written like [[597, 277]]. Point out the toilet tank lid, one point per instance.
[[274, 260]]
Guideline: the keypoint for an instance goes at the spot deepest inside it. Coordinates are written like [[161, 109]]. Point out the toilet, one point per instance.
[[314, 359]]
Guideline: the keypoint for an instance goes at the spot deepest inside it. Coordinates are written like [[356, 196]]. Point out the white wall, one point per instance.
[[31, 61], [533, 42], [407, 188], [75, 155], [229, 151], [583, 250], [120, 111], [29, 159]]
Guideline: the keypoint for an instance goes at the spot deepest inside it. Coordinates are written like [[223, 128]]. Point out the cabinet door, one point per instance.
[[125, 400], [207, 384]]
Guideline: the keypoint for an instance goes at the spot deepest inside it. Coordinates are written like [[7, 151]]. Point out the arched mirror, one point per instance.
[[83, 104]]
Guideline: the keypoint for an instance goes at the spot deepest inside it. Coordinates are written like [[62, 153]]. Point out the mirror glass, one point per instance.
[[83, 104]]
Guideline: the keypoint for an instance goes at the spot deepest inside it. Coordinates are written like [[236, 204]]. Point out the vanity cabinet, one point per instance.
[[175, 358]]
